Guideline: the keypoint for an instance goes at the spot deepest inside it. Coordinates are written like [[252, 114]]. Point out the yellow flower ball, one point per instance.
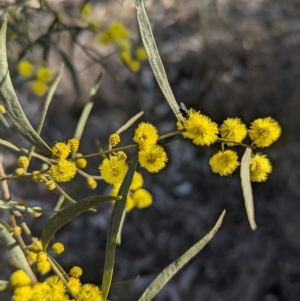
[[137, 181], [260, 168], [25, 68], [114, 139], [264, 131], [19, 278], [44, 74], [63, 171], [61, 150], [224, 162], [232, 129], [39, 87], [73, 144], [91, 182], [145, 134], [141, 54], [153, 158], [200, 128], [113, 170], [76, 272], [142, 198], [58, 248]]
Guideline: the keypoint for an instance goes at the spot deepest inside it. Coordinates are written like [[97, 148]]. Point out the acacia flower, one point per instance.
[[137, 181], [113, 170], [153, 158], [142, 198], [118, 31], [224, 162], [19, 278], [121, 155], [80, 161], [200, 128], [260, 167], [50, 185], [25, 68], [140, 53], [85, 10], [39, 87], [76, 271], [264, 131], [63, 171], [74, 284], [114, 139], [23, 162], [232, 129], [58, 248], [54, 288], [145, 134], [91, 183], [44, 74], [73, 143], [89, 292], [42, 263], [61, 150]]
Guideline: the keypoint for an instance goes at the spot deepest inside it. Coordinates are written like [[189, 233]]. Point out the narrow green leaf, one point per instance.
[[16, 252], [246, 187], [72, 70], [129, 123], [4, 285], [67, 214], [87, 108], [160, 281], [10, 101], [125, 282], [154, 58], [113, 229]]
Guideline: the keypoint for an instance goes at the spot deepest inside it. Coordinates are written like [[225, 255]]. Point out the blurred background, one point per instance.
[[226, 58]]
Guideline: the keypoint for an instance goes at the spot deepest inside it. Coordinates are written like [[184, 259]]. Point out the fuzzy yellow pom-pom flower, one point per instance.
[[224, 162], [118, 31], [264, 131], [50, 185], [114, 139], [141, 54], [63, 171], [260, 167], [91, 183], [19, 278], [75, 272], [19, 171], [74, 284], [73, 143], [61, 150], [43, 267], [232, 129], [23, 293], [145, 134], [44, 74], [137, 181], [37, 176], [200, 128], [89, 292], [55, 288], [134, 65], [58, 248], [153, 158], [142, 198], [105, 38], [25, 68], [121, 155], [113, 170], [39, 87], [80, 161], [23, 162]]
